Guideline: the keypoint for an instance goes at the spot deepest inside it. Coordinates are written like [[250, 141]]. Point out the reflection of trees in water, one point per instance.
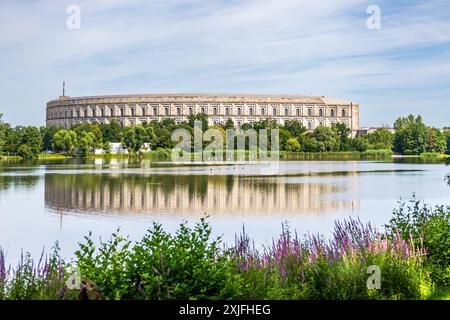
[[196, 194], [8, 182]]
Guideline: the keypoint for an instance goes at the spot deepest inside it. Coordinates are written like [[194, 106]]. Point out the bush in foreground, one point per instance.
[[430, 228], [411, 255], [187, 265]]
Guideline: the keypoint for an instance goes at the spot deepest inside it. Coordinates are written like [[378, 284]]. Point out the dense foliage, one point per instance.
[[411, 136], [412, 256], [428, 227]]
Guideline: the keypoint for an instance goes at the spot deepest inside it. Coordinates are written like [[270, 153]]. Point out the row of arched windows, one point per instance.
[[309, 124], [106, 111]]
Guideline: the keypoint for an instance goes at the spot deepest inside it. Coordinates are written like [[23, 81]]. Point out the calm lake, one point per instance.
[[44, 202]]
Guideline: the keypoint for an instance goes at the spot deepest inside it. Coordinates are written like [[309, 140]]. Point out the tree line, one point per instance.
[[411, 136]]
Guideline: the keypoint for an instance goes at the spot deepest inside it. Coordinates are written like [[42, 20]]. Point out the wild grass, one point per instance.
[[340, 155]]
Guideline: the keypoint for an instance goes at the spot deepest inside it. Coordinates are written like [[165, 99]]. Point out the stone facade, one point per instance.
[[312, 111]]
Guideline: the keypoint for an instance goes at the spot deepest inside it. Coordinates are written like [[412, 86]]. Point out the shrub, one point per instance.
[[430, 228], [25, 152], [336, 269], [187, 265]]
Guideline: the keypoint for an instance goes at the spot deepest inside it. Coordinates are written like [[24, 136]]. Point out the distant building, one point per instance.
[[311, 111], [366, 130]]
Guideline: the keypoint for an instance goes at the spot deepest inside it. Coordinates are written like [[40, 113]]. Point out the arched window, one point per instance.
[[190, 111], [343, 112], [332, 112], [132, 112], [227, 111], [203, 110], [320, 112], [155, 111], [297, 112], [178, 111], [239, 111], [166, 111], [250, 112], [263, 111], [143, 111], [286, 112], [309, 112], [274, 111], [121, 112], [102, 112], [215, 111], [310, 125]]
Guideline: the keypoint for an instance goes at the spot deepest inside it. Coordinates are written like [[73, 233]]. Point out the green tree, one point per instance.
[[164, 139], [360, 143], [112, 131], [265, 124], [411, 135], [65, 141], [198, 117], [293, 145], [229, 124], [47, 134], [4, 128], [284, 136], [322, 139], [13, 139], [295, 127], [168, 123], [86, 142], [447, 134], [151, 135], [93, 128], [19, 135], [134, 137], [25, 152], [343, 134], [382, 138], [436, 141], [32, 138]]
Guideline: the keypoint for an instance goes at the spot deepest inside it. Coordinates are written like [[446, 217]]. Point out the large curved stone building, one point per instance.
[[139, 108]]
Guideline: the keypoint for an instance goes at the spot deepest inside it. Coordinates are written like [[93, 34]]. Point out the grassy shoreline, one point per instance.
[[166, 155]]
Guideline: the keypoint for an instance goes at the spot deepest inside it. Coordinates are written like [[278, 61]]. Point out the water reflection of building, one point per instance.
[[192, 195]]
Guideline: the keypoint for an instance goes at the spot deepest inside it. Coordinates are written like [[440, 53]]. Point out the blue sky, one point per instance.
[[241, 46]]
